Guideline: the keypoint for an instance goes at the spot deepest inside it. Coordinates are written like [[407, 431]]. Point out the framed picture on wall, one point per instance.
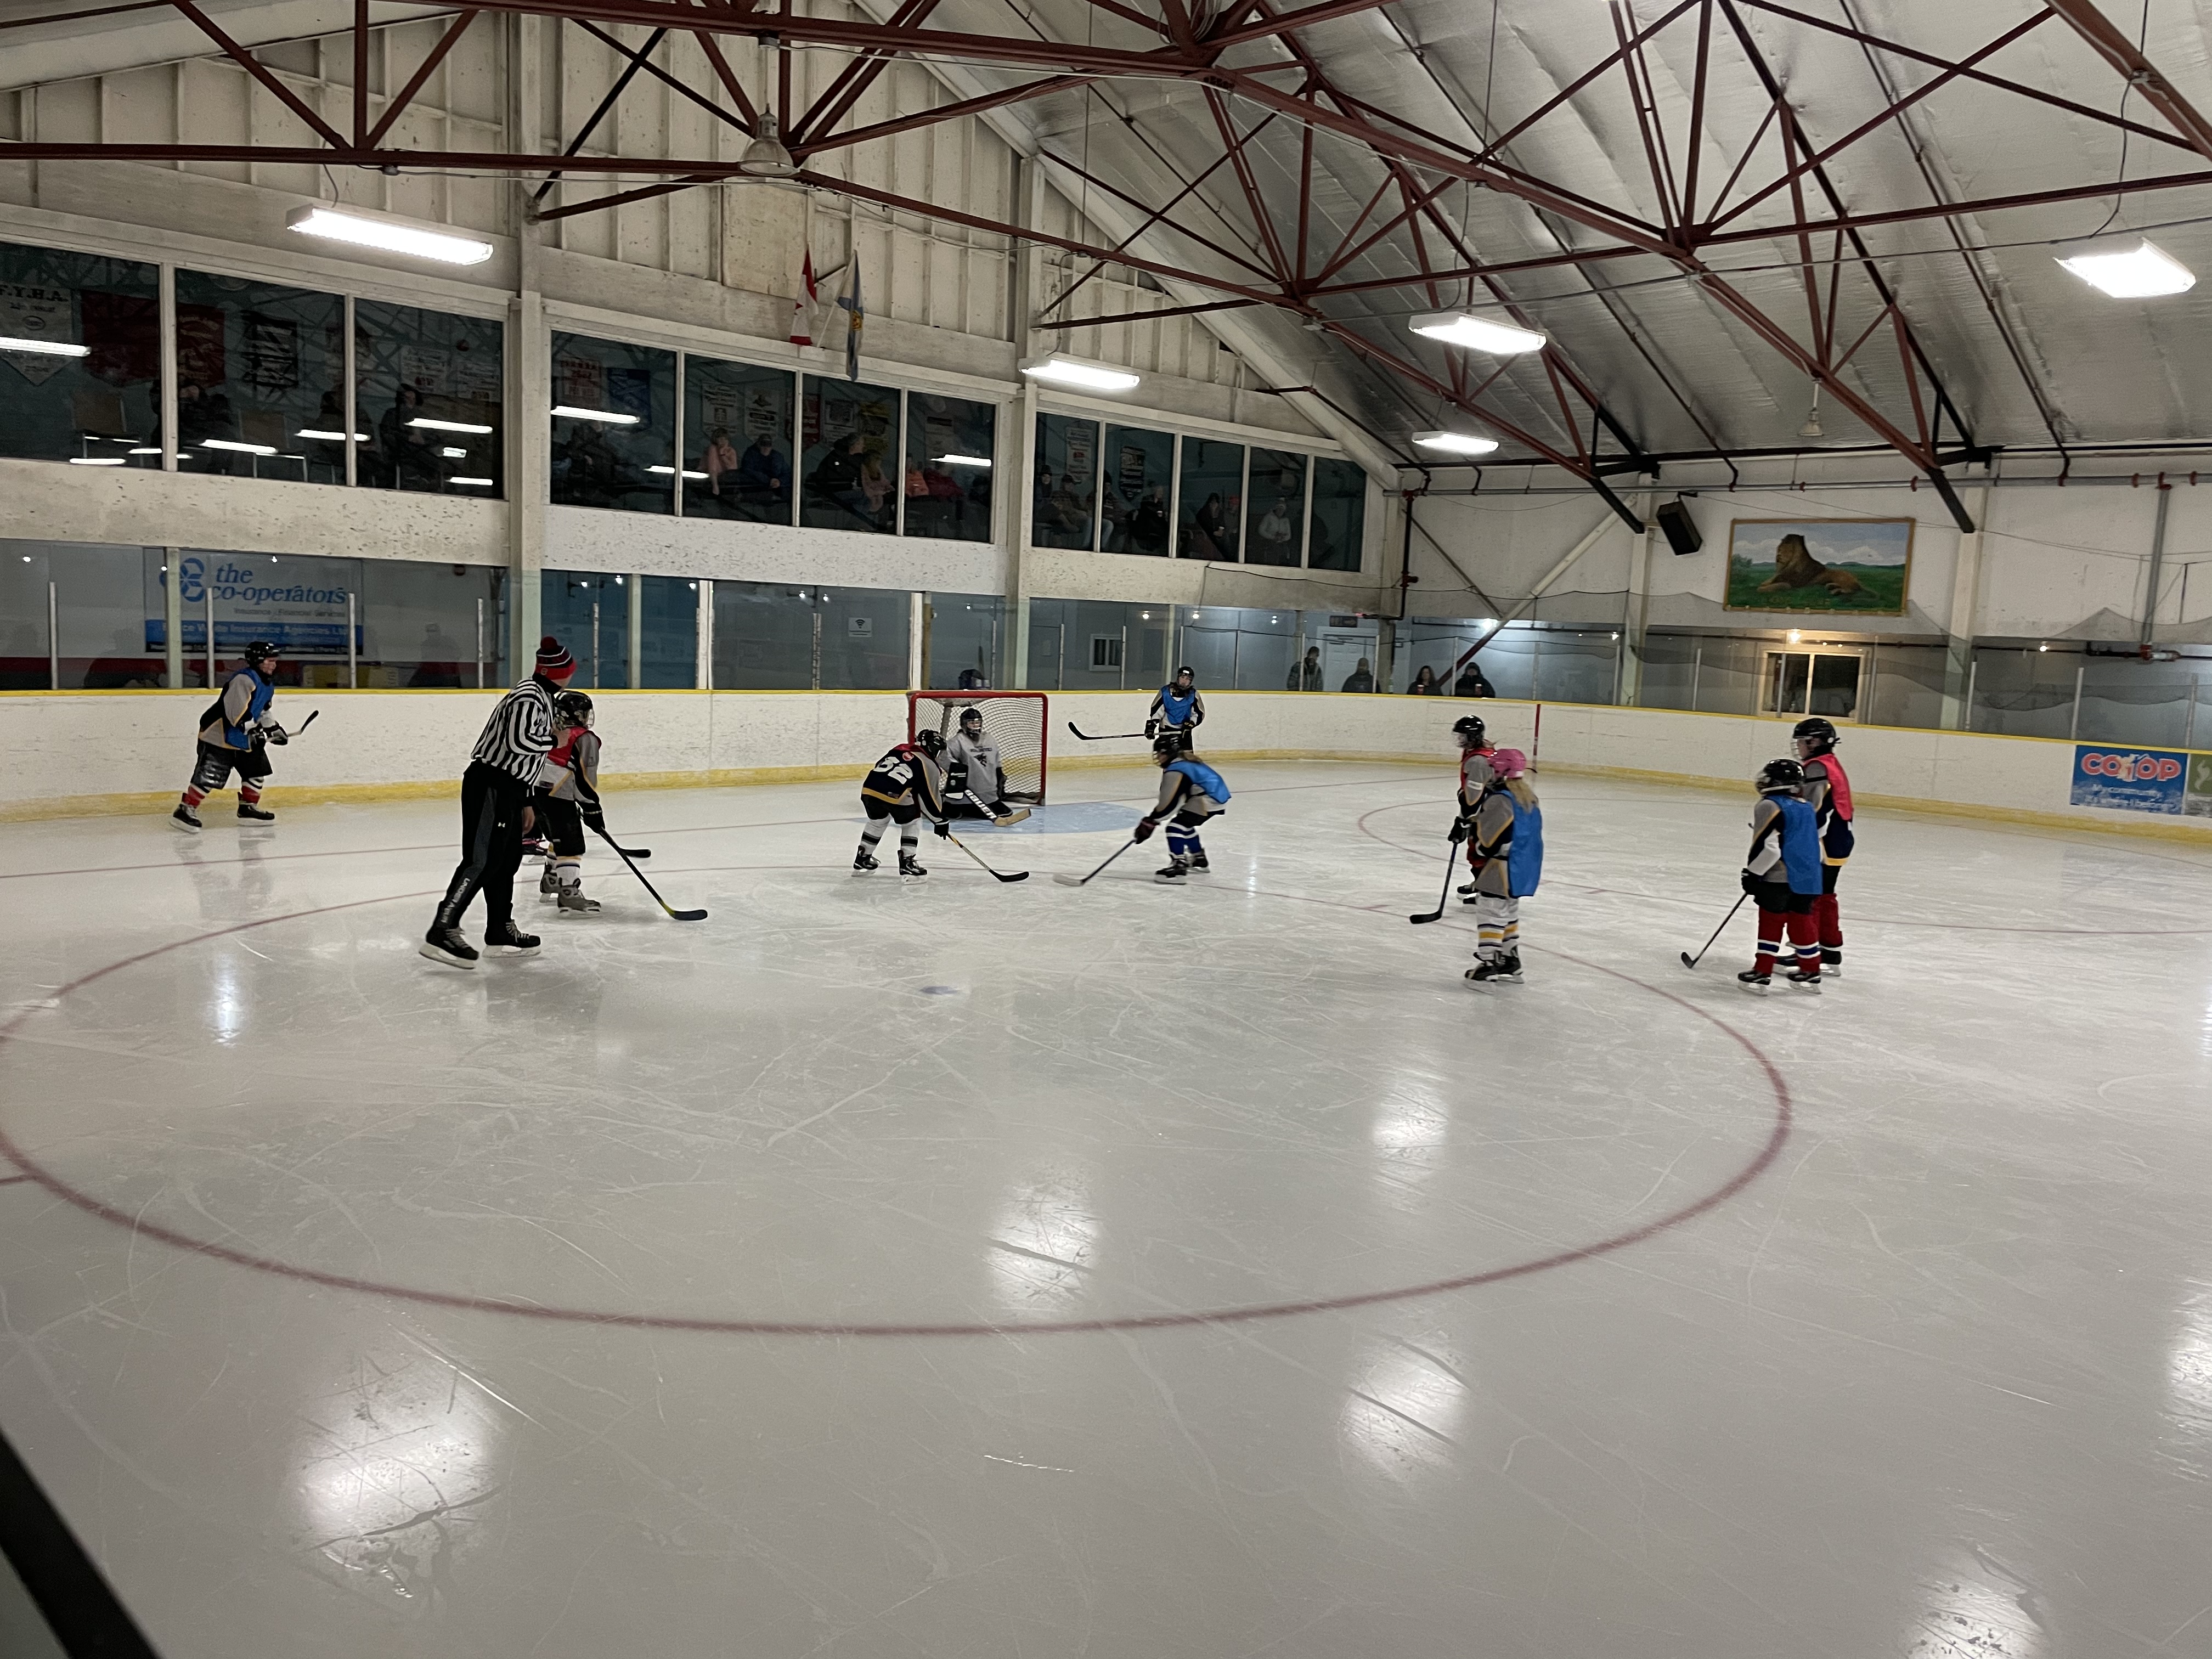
[[1835, 566]]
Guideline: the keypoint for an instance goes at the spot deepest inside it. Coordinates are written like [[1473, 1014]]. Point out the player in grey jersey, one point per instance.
[[975, 775]]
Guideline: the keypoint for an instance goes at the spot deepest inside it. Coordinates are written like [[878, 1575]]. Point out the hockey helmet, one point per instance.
[[972, 715], [1166, 747], [931, 744], [1470, 732], [1780, 774], [1506, 764], [1187, 672], [257, 651], [1819, 733], [573, 709]]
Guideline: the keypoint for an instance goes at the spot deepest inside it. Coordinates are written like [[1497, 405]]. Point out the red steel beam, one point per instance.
[[853, 81], [415, 82], [2116, 49], [930, 118], [261, 72]]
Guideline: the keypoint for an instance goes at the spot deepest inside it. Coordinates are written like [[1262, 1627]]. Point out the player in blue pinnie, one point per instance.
[[1177, 711], [1191, 792], [1505, 836], [1783, 875]]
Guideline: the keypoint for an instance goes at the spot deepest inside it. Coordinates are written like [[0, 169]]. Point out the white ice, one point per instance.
[[820, 1278]]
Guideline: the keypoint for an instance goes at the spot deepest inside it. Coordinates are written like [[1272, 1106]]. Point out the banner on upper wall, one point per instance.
[[255, 598], [2139, 779]]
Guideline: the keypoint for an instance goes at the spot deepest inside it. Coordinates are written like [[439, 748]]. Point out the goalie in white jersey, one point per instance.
[[975, 776]]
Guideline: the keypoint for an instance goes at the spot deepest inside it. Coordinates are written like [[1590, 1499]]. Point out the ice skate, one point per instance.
[[185, 819], [864, 861], [910, 867], [1755, 982], [1487, 974], [574, 903], [249, 813], [1832, 964], [1508, 971], [1173, 873], [548, 882], [1799, 980], [510, 940], [1199, 866], [1464, 889], [446, 945]]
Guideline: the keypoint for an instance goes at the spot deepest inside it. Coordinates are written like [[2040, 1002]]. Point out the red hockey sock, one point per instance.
[[1772, 925], [1831, 920], [249, 794], [1805, 934], [194, 797]]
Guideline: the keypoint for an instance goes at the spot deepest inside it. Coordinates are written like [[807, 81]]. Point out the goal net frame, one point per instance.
[[1001, 726]]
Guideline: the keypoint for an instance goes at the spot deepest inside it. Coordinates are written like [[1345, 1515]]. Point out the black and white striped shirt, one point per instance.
[[519, 733]]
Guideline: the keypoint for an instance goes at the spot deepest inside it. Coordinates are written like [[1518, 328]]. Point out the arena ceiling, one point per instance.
[[1746, 227]]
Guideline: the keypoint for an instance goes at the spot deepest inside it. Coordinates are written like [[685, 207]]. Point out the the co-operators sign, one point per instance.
[[2130, 780]]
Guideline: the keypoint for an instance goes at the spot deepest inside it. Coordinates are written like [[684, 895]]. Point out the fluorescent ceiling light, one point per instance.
[[429, 425], [243, 449], [486, 482], [334, 437], [454, 454], [154, 449], [1463, 328], [44, 348], [2140, 272], [666, 469], [1455, 443], [391, 235], [570, 411], [1073, 371], [962, 460], [97, 461]]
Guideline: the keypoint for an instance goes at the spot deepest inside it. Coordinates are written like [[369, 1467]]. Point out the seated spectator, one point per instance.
[[1471, 683], [1361, 679]]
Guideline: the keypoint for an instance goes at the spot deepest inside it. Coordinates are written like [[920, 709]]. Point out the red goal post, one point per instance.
[[1017, 721]]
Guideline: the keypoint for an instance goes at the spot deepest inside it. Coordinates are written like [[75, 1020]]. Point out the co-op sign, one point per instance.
[[2135, 780], [255, 598]]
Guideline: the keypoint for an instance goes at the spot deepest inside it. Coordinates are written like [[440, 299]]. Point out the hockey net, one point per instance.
[[1015, 720]]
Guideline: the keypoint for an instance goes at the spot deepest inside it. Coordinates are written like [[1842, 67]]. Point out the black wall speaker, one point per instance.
[[1681, 531]]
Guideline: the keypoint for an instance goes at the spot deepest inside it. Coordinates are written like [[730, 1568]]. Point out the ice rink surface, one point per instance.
[[992, 1272]]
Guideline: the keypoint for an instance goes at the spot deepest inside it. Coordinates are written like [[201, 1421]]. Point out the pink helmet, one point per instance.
[[1509, 764]]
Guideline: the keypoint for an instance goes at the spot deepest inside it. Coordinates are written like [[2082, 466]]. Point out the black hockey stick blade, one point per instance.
[[1078, 881], [674, 914], [1103, 737], [1019, 875], [309, 721], [1689, 961], [1451, 863], [636, 852]]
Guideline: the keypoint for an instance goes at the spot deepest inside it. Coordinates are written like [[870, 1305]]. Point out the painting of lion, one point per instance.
[[1856, 566], [1795, 567]]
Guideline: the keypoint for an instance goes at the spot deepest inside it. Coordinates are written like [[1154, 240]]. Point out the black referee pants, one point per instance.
[[492, 804]]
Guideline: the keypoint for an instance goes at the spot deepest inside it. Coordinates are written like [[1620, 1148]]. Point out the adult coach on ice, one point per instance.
[[503, 769]]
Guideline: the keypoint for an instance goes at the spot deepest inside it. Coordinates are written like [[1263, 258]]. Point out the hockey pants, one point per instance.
[[492, 805], [1496, 927], [881, 815], [216, 764]]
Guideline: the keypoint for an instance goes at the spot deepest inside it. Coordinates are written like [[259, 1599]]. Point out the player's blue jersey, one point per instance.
[[1176, 706], [1201, 776]]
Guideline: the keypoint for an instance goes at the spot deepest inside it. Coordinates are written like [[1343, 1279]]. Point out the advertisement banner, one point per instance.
[[2130, 780], [256, 598]]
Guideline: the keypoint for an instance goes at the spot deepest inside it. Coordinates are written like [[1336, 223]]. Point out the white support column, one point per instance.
[[1965, 619], [1017, 482], [172, 618], [529, 366], [1636, 605], [702, 670], [916, 609], [635, 584]]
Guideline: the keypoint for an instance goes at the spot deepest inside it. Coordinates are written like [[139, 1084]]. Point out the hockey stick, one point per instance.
[[1451, 869], [1078, 881], [1019, 875], [679, 916], [1689, 961], [1104, 736]]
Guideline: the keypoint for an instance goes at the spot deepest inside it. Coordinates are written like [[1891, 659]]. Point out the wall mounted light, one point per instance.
[[1063, 370], [570, 412], [479, 430], [388, 234], [44, 348]]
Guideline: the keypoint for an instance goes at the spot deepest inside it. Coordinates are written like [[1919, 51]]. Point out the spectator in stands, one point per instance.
[[1424, 683], [1471, 683], [1305, 676], [1361, 679]]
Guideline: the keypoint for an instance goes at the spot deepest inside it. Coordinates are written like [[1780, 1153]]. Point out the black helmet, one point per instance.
[[931, 744], [1167, 746], [1780, 774], [573, 709], [1816, 730], [257, 649], [970, 713], [1187, 670], [1470, 732]]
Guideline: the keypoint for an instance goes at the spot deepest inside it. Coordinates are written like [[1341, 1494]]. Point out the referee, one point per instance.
[[503, 770]]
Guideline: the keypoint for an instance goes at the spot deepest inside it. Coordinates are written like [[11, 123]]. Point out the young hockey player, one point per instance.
[[1474, 753], [1178, 709], [1506, 842], [975, 781], [906, 784], [568, 800], [1783, 875], [235, 732], [1191, 792], [1828, 792], [504, 768]]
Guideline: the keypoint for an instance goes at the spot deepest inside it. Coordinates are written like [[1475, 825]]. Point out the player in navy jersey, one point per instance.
[[1828, 792], [906, 784], [1191, 792]]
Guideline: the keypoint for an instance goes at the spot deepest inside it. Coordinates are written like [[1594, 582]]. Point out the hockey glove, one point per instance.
[[1152, 730], [1458, 831], [272, 733], [1751, 883], [1144, 829], [942, 826], [595, 823]]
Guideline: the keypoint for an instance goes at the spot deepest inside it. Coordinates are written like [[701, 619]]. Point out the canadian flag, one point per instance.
[[802, 309]]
